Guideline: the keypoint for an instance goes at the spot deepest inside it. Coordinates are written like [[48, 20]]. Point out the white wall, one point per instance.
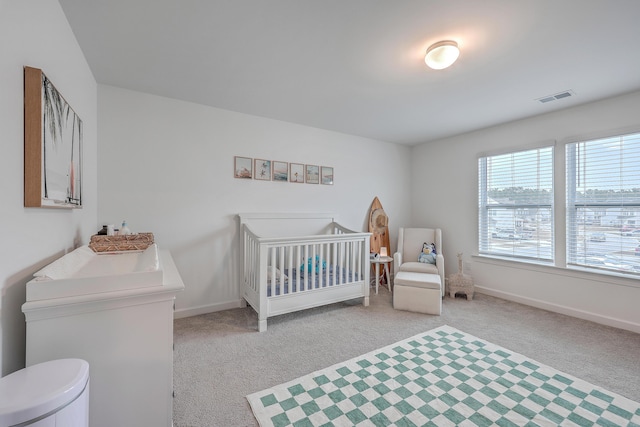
[[166, 166], [36, 33], [451, 203]]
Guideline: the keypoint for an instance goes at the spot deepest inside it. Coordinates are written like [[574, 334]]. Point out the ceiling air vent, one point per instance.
[[555, 97]]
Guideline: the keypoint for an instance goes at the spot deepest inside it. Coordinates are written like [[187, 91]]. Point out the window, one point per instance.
[[603, 203], [516, 205]]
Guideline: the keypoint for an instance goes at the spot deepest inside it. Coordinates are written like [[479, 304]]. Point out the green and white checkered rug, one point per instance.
[[443, 377]]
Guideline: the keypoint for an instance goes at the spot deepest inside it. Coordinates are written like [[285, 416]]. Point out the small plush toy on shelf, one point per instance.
[[428, 254]]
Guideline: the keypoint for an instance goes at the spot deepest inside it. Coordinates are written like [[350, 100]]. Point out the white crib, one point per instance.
[[324, 264]]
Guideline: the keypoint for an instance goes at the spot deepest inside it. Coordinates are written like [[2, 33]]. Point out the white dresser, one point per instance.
[[127, 338]]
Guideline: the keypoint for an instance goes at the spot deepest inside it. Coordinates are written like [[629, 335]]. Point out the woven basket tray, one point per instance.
[[131, 242]]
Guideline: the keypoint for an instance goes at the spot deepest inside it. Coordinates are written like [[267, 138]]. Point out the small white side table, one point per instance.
[[384, 260]]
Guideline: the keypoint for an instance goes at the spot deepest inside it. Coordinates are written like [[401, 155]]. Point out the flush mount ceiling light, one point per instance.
[[442, 54]]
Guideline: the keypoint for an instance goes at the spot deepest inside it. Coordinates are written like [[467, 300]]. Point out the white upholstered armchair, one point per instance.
[[410, 242]]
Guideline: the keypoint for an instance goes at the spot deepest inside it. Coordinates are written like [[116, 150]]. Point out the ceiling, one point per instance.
[[356, 66]]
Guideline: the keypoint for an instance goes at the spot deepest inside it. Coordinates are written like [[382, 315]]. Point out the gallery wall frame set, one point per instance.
[[52, 146], [272, 170]]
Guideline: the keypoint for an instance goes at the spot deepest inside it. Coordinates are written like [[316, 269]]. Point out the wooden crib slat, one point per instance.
[[252, 262], [318, 277], [298, 266], [245, 257], [335, 263], [314, 267], [354, 260], [343, 259], [289, 267], [304, 269], [281, 268], [349, 260], [359, 266], [329, 268], [256, 273], [272, 272]]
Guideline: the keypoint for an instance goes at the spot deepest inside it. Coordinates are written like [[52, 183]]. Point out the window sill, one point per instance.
[[610, 278]]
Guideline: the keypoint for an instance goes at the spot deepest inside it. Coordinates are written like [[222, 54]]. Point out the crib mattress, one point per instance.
[[298, 281]]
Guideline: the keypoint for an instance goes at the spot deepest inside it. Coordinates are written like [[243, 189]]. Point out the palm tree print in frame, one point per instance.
[[296, 173], [53, 145], [262, 169]]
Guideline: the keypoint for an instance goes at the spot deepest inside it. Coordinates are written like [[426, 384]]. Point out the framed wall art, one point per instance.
[[263, 169], [280, 171], [274, 170], [326, 175], [296, 173], [311, 174], [242, 167], [52, 145]]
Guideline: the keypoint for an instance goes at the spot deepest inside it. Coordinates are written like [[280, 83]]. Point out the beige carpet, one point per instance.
[[220, 358]]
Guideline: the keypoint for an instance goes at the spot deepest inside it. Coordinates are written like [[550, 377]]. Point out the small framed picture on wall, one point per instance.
[[242, 167], [280, 171], [296, 173], [326, 175], [312, 174], [263, 169]]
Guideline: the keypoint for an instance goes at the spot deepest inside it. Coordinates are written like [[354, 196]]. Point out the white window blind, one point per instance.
[[603, 204], [516, 205]]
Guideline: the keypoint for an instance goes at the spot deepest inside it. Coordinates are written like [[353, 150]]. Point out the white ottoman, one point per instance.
[[418, 292]]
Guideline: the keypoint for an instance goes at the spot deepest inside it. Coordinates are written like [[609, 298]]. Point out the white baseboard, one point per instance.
[[210, 308], [557, 308]]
